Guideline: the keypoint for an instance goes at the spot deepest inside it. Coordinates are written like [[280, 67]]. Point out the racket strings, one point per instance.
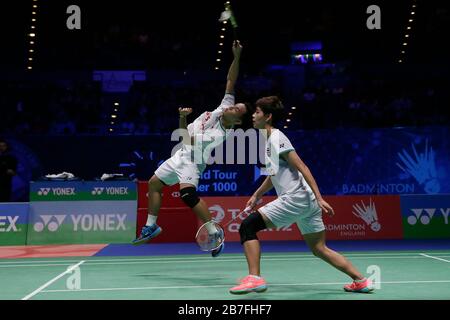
[[208, 241]]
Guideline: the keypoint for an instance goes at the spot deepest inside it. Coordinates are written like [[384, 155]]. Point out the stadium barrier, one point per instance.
[[114, 212]]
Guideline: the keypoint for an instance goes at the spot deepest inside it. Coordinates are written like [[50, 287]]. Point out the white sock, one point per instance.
[[151, 220], [211, 228], [256, 277], [362, 280]]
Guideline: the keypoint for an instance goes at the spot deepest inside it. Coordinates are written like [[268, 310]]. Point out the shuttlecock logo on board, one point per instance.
[[52, 222], [422, 167], [368, 213], [43, 191], [217, 212], [97, 191]]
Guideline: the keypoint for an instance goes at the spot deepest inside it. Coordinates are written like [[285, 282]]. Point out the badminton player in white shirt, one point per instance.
[[299, 201], [208, 131]]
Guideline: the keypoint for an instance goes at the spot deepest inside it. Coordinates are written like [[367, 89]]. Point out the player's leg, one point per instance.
[[253, 282], [155, 186], [313, 231], [250, 242], [316, 242], [164, 175], [188, 193]]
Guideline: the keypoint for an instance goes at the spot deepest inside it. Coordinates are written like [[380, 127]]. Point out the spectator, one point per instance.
[[8, 168]]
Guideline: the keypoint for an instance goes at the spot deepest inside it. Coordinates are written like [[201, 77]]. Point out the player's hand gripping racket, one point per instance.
[[208, 240]]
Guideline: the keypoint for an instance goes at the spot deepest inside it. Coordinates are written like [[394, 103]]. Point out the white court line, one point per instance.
[[199, 261], [425, 255], [35, 265], [238, 260], [209, 260], [35, 292], [163, 258], [194, 260], [230, 285], [230, 255]]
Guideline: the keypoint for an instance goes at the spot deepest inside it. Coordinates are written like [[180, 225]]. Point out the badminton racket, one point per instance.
[[229, 15], [211, 234]]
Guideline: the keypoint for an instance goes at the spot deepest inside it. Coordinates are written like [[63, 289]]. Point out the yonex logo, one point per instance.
[[111, 191], [56, 191], [43, 191], [97, 191], [85, 222], [10, 225], [426, 215], [98, 222], [175, 194], [368, 213], [218, 214], [52, 222]]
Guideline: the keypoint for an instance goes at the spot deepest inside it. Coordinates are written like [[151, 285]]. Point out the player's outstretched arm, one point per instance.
[[294, 161], [233, 72], [265, 186]]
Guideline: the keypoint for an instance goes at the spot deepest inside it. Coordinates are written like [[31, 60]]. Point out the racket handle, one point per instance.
[[233, 21], [235, 34], [232, 18]]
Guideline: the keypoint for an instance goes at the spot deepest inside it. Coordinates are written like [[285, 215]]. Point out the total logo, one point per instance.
[[8, 224], [425, 215], [56, 191], [218, 214], [368, 213], [237, 216], [83, 222]]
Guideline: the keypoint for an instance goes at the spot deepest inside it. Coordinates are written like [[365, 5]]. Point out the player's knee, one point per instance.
[[318, 250], [189, 196], [246, 231], [250, 226]]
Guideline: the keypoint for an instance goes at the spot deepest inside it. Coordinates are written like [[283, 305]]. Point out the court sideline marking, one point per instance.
[[35, 292], [436, 258], [200, 257], [195, 261], [228, 285]]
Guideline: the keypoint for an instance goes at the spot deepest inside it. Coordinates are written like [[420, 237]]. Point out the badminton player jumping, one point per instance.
[[299, 201], [204, 134]]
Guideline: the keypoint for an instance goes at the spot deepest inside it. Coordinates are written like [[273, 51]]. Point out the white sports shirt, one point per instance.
[[285, 179], [208, 132]]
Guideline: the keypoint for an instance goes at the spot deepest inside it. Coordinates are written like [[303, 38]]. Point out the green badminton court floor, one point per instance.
[[410, 275]]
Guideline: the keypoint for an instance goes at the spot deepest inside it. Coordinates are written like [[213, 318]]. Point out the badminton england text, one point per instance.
[[226, 309]]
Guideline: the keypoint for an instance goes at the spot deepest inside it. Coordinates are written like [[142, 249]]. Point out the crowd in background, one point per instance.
[[326, 100]]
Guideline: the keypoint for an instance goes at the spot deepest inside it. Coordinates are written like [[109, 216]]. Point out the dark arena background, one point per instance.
[[89, 98]]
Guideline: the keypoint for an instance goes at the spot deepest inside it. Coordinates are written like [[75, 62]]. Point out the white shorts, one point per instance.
[[177, 169], [300, 208]]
